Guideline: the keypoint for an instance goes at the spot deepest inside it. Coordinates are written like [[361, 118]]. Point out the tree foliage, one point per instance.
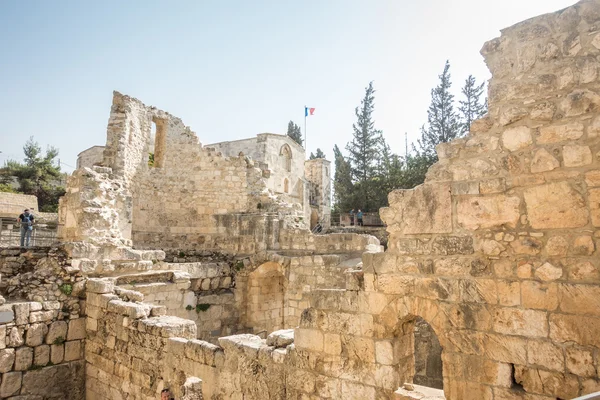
[[38, 175], [471, 107], [443, 123], [295, 132], [318, 154], [371, 170], [364, 151]]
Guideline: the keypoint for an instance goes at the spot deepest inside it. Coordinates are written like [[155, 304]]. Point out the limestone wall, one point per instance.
[[42, 352], [90, 157], [126, 344], [267, 148], [40, 274], [497, 252], [13, 204], [318, 174]]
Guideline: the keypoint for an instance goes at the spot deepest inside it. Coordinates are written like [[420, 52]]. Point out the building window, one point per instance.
[[159, 129], [286, 185], [286, 155]]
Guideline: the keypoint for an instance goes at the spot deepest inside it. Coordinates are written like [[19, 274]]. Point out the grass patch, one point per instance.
[[202, 307], [66, 288], [59, 340]]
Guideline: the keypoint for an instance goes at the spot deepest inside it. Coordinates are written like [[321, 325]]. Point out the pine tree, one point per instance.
[[294, 132], [443, 123], [471, 107], [364, 149], [38, 175], [343, 189], [319, 154]]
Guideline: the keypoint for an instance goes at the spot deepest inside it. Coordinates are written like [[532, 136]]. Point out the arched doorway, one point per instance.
[[265, 308]]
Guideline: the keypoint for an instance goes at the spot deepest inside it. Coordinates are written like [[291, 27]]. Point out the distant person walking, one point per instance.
[[359, 216], [352, 217], [26, 220]]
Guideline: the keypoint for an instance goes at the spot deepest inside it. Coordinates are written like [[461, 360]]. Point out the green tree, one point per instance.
[[364, 150], [343, 188], [471, 108], [319, 154], [38, 175], [443, 123], [295, 132]]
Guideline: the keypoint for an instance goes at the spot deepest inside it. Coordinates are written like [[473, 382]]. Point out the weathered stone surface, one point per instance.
[[7, 360], [488, 212], [11, 384], [560, 133], [281, 338], [548, 272], [514, 321], [555, 205], [576, 155], [57, 332], [23, 358], [35, 334], [425, 209], [543, 161], [557, 246], [517, 138]]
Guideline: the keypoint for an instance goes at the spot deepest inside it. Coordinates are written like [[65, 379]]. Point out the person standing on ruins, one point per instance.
[[359, 216], [26, 220], [352, 217]]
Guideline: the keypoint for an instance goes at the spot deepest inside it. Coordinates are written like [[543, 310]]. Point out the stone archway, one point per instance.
[[266, 298]]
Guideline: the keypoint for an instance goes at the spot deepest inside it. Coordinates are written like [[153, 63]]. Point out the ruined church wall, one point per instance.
[[497, 251], [41, 351]]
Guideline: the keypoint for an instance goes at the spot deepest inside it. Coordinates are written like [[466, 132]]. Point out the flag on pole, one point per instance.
[[309, 111]]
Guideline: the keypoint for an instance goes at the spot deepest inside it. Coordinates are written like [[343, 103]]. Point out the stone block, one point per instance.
[[309, 339], [23, 358], [76, 329], [545, 354], [536, 295], [41, 355], [515, 321], [580, 361], [579, 299], [73, 350], [555, 206], [543, 161], [57, 353], [21, 313], [11, 384], [514, 139], [100, 286], [576, 155], [424, 209], [484, 212], [35, 334], [579, 329], [560, 133], [281, 338], [7, 360], [548, 272]]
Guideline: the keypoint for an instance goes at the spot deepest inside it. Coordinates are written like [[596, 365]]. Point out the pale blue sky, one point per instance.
[[232, 69]]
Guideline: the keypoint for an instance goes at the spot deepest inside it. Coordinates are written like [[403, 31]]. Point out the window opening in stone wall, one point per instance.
[[286, 154], [418, 359], [156, 157], [286, 185], [428, 356], [265, 308]]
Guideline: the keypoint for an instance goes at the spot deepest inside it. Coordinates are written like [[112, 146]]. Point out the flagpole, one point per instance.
[[305, 141]]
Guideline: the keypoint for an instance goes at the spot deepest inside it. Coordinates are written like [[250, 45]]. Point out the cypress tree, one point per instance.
[[295, 132], [443, 123], [471, 107], [364, 150], [319, 154]]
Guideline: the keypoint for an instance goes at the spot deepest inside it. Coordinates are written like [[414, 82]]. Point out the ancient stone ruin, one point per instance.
[[195, 272]]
